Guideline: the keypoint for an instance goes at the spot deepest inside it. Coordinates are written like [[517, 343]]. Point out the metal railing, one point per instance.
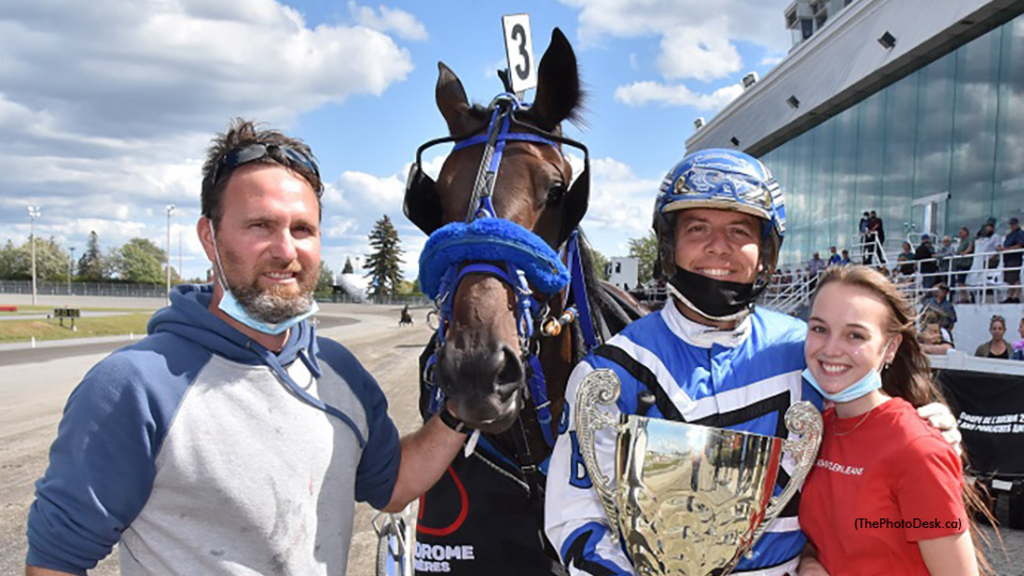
[[84, 289], [983, 282]]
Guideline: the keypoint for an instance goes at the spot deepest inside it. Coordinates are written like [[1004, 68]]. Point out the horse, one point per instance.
[[519, 305]]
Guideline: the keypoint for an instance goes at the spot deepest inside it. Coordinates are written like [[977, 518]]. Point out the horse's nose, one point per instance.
[[483, 381], [509, 372]]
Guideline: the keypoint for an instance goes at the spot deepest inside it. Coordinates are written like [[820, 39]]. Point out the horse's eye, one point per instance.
[[555, 194]]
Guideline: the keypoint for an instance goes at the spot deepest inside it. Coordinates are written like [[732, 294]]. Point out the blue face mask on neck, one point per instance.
[[230, 306], [869, 383]]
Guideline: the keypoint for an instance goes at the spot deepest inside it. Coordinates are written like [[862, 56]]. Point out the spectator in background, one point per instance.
[[834, 259], [986, 243], [944, 253], [815, 267], [1014, 241], [925, 255], [934, 339], [1018, 346], [863, 228], [964, 250], [939, 302], [845, 260], [997, 347], [877, 227], [871, 238], [907, 257]]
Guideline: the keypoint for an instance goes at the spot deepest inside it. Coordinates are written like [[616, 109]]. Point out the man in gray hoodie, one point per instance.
[[232, 440]]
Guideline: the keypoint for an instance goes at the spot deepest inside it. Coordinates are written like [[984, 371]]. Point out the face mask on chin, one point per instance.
[[232, 307], [717, 300], [867, 384]]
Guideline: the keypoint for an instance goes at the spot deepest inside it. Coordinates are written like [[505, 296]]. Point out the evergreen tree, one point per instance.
[[348, 267], [385, 273], [91, 266]]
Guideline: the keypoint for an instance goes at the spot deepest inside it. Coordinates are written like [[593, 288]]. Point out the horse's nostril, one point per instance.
[[510, 372]]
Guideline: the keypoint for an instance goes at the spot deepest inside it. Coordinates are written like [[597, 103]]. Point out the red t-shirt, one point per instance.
[[893, 469]]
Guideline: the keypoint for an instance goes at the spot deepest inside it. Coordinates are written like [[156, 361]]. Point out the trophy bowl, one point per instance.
[[689, 500]]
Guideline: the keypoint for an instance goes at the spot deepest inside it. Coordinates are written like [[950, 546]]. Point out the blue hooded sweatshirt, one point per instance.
[[202, 452]]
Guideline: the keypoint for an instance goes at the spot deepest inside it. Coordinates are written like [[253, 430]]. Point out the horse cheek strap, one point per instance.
[[422, 205]]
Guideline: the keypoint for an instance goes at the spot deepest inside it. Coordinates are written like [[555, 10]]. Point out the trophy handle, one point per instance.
[[599, 387], [804, 419]]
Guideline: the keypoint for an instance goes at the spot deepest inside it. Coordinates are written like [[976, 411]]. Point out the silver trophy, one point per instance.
[[690, 500]]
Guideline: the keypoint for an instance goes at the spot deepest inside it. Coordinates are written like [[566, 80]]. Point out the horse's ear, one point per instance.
[[451, 99], [558, 84]]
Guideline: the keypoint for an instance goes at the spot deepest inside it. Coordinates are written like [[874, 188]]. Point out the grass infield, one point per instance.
[[24, 330]]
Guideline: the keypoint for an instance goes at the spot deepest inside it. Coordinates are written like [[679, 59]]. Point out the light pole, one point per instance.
[[33, 213], [170, 210], [71, 266]]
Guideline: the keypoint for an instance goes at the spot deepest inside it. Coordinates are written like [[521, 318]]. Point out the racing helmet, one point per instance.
[[726, 180]]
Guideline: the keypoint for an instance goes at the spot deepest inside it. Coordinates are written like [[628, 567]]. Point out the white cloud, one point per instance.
[[382, 192], [387, 19], [755, 21], [698, 41], [703, 53], [106, 109], [620, 202], [640, 93]]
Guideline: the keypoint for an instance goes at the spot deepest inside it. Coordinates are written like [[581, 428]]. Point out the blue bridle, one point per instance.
[[487, 244]]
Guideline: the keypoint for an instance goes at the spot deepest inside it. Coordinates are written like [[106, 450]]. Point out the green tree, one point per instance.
[[325, 282], [91, 266], [141, 261], [599, 263], [8, 260], [645, 250], [51, 261], [348, 267], [383, 265]]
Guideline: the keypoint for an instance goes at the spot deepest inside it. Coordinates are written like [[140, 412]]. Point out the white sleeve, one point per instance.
[[574, 519]]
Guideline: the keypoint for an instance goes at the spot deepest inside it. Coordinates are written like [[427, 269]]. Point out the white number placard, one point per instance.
[[519, 49]]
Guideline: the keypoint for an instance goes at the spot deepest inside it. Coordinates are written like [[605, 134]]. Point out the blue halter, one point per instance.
[[510, 253]]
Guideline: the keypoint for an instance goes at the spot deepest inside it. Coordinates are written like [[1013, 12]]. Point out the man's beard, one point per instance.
[[278, 303]]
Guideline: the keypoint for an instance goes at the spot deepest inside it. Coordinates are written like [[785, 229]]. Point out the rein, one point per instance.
[[531, 309]]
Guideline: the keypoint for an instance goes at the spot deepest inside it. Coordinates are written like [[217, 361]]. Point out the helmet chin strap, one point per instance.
[[736, 317]]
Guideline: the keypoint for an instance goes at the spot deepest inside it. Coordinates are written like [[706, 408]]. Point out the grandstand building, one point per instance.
[[913, 108]]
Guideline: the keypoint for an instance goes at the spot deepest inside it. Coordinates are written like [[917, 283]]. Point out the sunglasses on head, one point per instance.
[[252, 152]]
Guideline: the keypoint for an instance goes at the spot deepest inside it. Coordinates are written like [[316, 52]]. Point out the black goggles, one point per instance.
[[252, 152]]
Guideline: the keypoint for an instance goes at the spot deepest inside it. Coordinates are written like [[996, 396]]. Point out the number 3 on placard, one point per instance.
[[519, 51], [518, 33]]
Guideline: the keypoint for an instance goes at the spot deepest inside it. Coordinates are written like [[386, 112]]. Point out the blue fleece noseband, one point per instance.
[[490, 240]]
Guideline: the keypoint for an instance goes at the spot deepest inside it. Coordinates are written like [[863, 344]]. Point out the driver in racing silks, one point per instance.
[[710, 357]]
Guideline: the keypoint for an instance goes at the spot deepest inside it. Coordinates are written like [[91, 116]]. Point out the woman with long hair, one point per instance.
[[887, 494]]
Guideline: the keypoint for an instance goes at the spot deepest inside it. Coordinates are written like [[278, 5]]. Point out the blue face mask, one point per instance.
[[230, 306], [869, 383]]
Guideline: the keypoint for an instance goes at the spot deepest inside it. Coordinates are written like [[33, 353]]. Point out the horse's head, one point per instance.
[[480, 364]]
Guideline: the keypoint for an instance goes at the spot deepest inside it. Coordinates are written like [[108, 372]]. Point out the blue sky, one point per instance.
[[106, 110]]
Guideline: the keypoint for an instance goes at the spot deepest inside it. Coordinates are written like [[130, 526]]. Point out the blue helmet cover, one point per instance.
[[491, 240], [724, 179]]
